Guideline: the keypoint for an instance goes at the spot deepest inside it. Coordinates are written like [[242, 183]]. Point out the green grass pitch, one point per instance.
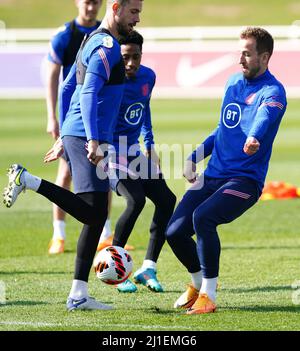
[[51, 14], [260, 250]]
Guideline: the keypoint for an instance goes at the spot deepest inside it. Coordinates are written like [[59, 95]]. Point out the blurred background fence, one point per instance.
[[190, 62], [192, 46]]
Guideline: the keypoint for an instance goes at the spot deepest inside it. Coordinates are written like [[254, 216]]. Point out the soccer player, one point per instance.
[[91, 96], [135, 120], [240, 149], [63, 49]]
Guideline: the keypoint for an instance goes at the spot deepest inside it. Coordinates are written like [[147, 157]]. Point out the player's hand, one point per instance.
[[152, 155], [94, 152], [55, 152], [189, 171], [53, 128], [251, 146]]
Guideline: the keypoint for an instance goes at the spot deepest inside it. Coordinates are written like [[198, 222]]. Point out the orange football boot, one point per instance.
[[188, 298], [202, 305], [56, 246]]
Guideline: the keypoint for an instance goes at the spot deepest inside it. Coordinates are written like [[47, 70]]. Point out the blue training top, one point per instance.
[[251, 108], [61, 41], [90, 110], [135, 115]]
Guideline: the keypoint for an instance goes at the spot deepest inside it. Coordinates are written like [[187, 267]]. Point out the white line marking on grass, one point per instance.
[[123, 326], [150, 326]]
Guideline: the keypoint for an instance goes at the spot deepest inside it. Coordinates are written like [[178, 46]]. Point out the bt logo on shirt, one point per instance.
[[232, 115], [134, 113]]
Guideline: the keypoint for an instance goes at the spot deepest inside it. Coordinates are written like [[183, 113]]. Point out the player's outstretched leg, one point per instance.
[[19, 179], [63, 179]]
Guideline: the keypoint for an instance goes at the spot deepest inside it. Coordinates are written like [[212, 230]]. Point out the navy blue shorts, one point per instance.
[[222, 200], [86, 176]]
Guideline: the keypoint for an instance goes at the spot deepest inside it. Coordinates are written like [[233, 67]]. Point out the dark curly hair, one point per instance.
[[132, 38]]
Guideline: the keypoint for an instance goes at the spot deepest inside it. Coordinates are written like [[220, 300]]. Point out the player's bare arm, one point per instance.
[[52, 92], [55, 152]]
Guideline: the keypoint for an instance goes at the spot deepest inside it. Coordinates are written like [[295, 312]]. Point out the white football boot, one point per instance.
[[86, 303], [16, 184]]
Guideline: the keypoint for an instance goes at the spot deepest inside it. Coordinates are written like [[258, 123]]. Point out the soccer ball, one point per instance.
[[113, 265]]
